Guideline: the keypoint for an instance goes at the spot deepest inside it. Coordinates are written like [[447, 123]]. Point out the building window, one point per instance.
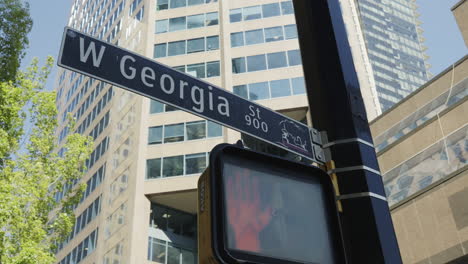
[[160, 50], [178, 3], [195, 45], [177, 23], [196, 130], [237, 39], [290, 31], [195, 2], [294, 57], [277, 60], [270, 10], [153, 168], [272, 89], [280, 88], [212, 69], [260, 11], [287, 8], [186, 47], [211, 19], [241, 90], [162, 5], [253, 12], [174, 133], [212, 43], [176, 48], [258, 91], [161, 26], [256, 63], [195, 163], [214, 130], [155, 135], [254, 37], [173, 166], [197, 70], [298, 85], [176, 165], [235, 15], [196, 21], [273, 34]]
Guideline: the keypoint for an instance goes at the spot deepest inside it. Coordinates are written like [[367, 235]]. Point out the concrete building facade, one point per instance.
[[422, 145]]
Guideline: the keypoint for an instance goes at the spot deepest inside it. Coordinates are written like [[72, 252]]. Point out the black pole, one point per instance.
[[337, 108]]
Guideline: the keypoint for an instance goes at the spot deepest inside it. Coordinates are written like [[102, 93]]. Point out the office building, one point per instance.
[[422, 145], [394, 45], [140, 201]]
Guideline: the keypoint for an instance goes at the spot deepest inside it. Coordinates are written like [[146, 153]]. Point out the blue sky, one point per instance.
[[443, 39]]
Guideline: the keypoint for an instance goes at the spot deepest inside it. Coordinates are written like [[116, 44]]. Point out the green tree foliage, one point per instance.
[[31, 221], [15, 24]]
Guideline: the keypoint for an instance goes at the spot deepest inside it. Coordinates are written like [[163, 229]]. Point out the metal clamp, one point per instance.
[[360, 195], [346, 141], [353, 168]]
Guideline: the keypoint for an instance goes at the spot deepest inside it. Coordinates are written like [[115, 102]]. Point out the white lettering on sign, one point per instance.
[[122, 69], [254, 119], [91, 50], [169, 86]]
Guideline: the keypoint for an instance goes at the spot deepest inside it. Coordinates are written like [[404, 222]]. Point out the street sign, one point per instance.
[[257, 208], [101, 60]]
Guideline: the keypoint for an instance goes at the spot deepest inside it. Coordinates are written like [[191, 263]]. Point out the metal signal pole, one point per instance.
[[338, 109]]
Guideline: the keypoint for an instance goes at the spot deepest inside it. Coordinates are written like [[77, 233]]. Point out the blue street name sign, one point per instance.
[[101, 60]]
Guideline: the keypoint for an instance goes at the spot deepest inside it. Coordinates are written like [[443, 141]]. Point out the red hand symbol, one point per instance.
[[245, 216]]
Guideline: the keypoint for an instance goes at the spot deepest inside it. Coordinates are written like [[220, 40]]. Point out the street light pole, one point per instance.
[[338, 109]]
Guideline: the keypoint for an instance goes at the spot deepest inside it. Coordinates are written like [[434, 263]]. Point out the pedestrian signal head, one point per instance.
[[256, 208]]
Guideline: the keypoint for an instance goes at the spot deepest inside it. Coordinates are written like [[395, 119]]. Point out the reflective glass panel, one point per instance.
[[287, 8], [277, 60], [196, 21], [212, 69], [290, 31], [156, 107], [273, 34], [195, 163], [238, 65], [258, 91], [173, 166], [254, 37], [270, 10], [161, 26], [280, 88], [196, 70], [176, 48], [195, 45], [173, 133], [178, 3], [241, 90], [235, 15], [162, 4], [253, 12], [298, 85], [237, 39], [294, 57], [153, 168], [160, 50], [214, 130], [177, 23], [256, 63], [196, 130], [195, 2], [212, 43], [211, 19], [155, 135]]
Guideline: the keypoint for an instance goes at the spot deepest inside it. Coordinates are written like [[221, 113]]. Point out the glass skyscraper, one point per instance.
[[394, 46]]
